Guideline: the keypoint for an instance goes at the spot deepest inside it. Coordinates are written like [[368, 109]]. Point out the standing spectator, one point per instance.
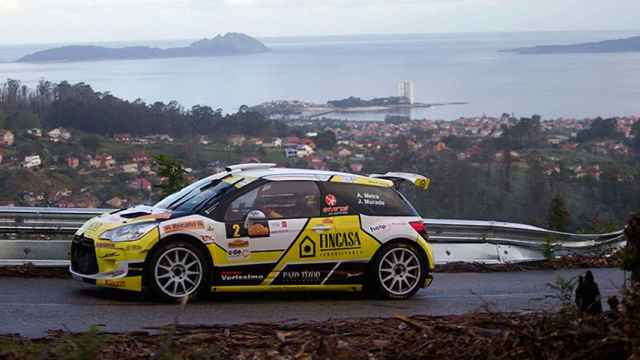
[[588, 295]]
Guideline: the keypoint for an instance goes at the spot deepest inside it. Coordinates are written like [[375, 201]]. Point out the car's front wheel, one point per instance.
[[397, 271], [176, 270]]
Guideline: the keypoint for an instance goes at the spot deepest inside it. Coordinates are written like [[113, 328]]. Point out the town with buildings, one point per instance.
[[122, 166]]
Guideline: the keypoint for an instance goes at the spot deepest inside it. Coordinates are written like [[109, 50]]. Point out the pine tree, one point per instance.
[[636, 137], [173, 171], [558, 216]]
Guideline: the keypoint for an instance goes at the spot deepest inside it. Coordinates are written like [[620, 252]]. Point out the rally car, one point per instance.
[[256, 227]]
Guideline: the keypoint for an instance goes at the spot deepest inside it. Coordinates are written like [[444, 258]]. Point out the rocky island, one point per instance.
[[608, 46], [228, 44]]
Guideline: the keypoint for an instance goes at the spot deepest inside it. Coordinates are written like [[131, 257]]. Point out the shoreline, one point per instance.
[[320, 110]]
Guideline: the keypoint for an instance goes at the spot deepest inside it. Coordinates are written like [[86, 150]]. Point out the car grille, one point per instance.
[[83, 256]]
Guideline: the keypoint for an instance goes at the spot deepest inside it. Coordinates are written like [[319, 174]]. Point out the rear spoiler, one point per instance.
[[421, 182]]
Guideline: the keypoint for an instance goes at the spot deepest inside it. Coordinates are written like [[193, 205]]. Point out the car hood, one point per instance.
[[99, 224]]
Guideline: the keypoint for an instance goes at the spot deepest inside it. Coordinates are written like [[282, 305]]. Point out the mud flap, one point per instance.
[[427, 281]]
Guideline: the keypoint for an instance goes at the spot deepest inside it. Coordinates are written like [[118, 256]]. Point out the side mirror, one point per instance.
[[254, 217]]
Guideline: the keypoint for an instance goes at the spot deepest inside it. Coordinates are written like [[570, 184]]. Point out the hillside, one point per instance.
[[228, 44], [631, 44]]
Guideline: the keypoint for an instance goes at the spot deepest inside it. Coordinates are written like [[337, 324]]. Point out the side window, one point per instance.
[[337, 199], [367, 200], [278, 200], [241, 206]]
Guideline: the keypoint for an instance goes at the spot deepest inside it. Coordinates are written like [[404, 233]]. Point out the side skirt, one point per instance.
[[283, 288]]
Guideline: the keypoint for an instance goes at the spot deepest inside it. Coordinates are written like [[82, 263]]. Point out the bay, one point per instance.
[[444, 67]]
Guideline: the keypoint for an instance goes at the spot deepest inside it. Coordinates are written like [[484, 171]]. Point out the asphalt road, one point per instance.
[[32, 306]]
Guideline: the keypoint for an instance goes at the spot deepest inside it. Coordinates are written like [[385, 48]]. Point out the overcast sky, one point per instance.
[[47, 21]]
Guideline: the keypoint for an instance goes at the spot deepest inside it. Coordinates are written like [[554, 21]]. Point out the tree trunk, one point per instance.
[[632, 233]]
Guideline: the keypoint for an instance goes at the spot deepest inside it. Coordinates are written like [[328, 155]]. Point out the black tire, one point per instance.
[[186, 284], [406, 279]]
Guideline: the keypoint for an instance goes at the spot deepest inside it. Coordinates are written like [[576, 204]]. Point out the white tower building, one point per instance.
[[406, 88]]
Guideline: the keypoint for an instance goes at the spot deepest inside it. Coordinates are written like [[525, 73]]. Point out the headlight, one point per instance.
[[128, 232]]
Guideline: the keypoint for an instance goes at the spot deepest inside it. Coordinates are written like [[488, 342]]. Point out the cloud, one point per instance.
[[308, 3], [9, 4], [104, 20], [239, 2]]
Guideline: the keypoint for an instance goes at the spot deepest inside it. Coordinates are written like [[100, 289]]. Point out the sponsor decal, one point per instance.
[[331, 244], [339, 241], [349, 275], [207, 239], [336, 210], [370, 199], [184, 226], [105, 245], [240, 276], [307, 247], [238, 244], [135, 269], [327, 221], [258, 230], [238, 249], [330, 200], [340, 244], [379, 228], [236, 254], [304, 274], [300, 276], [278, 226], [331, 209], [132, 248], [115, 283]]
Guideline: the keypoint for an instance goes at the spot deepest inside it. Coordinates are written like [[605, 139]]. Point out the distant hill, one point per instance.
[[608, 46], [229, 44]]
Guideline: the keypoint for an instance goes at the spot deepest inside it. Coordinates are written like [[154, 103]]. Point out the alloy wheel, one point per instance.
[[178, 272], [399, 271]]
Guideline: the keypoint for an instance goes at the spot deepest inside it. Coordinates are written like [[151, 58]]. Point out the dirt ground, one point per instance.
[[562, 335]]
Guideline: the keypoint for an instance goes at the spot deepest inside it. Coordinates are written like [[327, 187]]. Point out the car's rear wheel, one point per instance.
[[176, 270], [397, 271]]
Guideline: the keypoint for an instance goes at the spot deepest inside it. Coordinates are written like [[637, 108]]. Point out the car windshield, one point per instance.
[[194, 195]]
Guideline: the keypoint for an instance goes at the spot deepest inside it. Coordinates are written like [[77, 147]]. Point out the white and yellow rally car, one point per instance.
[[256, 227]]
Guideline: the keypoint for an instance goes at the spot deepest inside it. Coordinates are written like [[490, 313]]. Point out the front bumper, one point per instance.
[[109, 264], [127, 276], [121, 272]]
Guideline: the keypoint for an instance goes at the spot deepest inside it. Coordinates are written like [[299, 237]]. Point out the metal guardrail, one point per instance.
[[44, 220], [502, 242], [453, 240]]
